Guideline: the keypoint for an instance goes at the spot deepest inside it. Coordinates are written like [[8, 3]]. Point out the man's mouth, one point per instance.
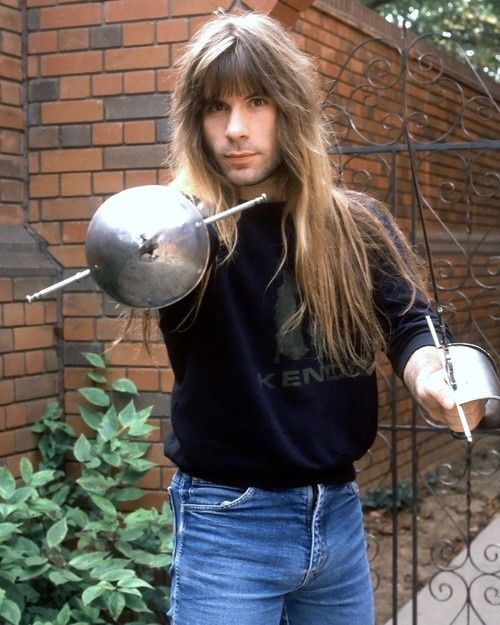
[[239, 157]]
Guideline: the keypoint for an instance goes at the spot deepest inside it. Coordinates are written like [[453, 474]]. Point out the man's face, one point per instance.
[[241, 133]]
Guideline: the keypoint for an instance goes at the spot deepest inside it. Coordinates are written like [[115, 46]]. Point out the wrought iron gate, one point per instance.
[[440, 572]]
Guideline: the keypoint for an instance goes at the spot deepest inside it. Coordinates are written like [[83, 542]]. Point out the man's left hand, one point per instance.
[[426, 380]]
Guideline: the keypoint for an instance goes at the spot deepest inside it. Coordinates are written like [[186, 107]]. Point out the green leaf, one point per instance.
[[61, 576], [124, 385], [99, 378], [57, 533], [95, 396], [109, 425], [116, 575], [140, 429], [87, 561], [128, 494], [7, 530], [94, 359], [128, 414], [91, 417], [92, 592], [26, 470], [7, 483], [115, 604], [104, 504], [40, 478], [133, 582], [21, 495], [81, 449], [10, 612], [64, 615]]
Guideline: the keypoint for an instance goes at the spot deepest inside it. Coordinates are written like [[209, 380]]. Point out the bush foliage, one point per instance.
[[70, 552]]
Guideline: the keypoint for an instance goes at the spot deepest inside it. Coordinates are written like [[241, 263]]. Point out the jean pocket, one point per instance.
[[203, 495]]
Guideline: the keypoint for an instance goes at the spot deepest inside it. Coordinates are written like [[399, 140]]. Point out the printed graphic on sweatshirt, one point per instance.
[[292, 345]]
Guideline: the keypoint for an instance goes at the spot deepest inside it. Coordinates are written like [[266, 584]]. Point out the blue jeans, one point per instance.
[[268, 557]]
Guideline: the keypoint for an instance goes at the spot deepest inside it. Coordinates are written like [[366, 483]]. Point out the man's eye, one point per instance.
[[214, 107], [258, 102]]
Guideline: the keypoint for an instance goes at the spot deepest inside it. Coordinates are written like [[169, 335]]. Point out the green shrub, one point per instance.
[[384, 497], [69, 552]]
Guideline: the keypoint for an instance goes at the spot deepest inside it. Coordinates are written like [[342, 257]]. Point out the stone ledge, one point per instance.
[[21, 254]]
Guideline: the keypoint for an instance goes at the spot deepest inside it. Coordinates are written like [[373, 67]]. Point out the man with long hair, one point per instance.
[[274, 353]]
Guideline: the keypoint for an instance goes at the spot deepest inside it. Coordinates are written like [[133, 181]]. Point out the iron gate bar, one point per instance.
[[492, 144]]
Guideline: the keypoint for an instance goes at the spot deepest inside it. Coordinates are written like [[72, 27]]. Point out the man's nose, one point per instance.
[[237, 126]]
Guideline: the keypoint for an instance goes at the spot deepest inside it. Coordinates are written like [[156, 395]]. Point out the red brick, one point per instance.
[[6, 395], [108, 329], [146, 379], [33, 337], [139, 132], [75, 184], [107, 84], [33, 211], [7, 441], [139, 82], [34, 313], [13, 314], [74, 87], [48, 231], [140, 33], [10, 19], [82, 304], [131, 10], [69, 255], [72, 111], [11, 215], [74, 377], [70, 208], [10, 68], [15, 415], [42, 42], [25, 439], [108, 182], [166, 79], [34, 162], [80, 159], [196, 7], [137, 58], [75, 231], [175, 29], [11, 93], [44, 185], [10, 142], [107, 133], [139, 177], [35, 362], [11, 43], [133, 354], [11, 116], [50, 312], [74, 39], [84, 14], [64, 63], [33, 68], [13, 365], [78, 329], [167, 380]]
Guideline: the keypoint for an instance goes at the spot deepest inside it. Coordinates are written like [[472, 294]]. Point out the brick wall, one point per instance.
[[28, 357], [97, 79]]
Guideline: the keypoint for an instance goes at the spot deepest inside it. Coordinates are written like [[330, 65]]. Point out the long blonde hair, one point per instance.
[[337, 233]]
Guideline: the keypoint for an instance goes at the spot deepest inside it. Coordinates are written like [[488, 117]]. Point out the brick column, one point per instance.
[[28, 358]]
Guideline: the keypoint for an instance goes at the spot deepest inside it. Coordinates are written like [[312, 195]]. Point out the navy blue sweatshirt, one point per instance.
[[249, 409]]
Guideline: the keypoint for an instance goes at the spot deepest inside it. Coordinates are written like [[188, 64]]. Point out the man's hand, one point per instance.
[[426, 380]]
